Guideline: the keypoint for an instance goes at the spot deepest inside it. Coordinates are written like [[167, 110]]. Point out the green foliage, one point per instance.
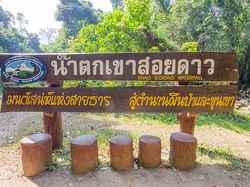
[[117, 4], [12, 41], [216, 25], [52, 166], [16, 40], [61, 44], [5, 17], [137, 13], [165, 5], [120, 31], [113, 34], [76, 13], [190, 46]]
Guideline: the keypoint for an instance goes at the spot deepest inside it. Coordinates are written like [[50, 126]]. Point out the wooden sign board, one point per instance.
[[120, 66], [167, 99]]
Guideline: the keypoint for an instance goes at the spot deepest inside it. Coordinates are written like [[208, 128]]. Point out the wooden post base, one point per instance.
[[52, 121], [182, 150], [36, 153], [52, 124], [150, 151], [187, 122], [121, 152], [84, 154]]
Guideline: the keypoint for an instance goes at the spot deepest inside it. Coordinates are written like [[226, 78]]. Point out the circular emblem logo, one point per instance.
[[23, 69]]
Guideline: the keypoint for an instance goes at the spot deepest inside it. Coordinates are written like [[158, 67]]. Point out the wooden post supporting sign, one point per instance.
[[52, 122], [179, 67], [187, 122]]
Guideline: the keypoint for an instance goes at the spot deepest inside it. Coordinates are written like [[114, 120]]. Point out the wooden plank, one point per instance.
[[166, 99], [137, 66]]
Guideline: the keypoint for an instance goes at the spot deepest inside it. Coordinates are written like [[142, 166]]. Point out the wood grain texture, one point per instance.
[[225, 69], [182, 150], [165, 99], [52, 122]]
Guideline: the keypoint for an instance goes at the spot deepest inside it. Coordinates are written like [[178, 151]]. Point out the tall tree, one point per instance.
[[76, 13], [61, 43], [217, 25], [5, 17], [48, 35], [12, 40], [22, 22], [117, 4], [164, 4], [120, 31]]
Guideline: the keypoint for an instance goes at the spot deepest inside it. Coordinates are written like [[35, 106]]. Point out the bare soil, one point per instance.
[[209, 172]]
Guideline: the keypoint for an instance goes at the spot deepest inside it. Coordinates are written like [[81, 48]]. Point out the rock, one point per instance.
[[201, 177], [244, 102], [66, 134], [136, 166], [79, 179], [164, 165], [237, 106], [104, 168], [60, 160]]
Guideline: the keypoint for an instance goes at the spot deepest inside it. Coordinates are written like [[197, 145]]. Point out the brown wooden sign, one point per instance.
[[120, 66], [167, 99]]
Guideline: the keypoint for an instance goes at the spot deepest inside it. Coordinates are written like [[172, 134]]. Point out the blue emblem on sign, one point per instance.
[[23, 69]]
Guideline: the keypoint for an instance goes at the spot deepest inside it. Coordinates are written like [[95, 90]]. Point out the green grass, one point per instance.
[[237, 122], [52, 166], [164, 118], [62, 156], [233, 162]]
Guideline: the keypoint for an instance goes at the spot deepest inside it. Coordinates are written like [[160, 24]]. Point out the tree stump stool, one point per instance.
[[84, 154], [182, 150], [187, 122], [121, 152], [36, 153], [150, 151]]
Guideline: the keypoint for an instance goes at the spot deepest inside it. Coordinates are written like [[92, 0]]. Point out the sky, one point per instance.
[[40, 13]]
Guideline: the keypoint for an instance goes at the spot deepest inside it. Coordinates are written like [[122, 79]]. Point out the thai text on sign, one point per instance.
[[131, 66], [168, 99]]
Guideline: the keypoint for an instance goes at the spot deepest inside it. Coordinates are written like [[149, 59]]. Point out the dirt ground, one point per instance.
[[207, 173]]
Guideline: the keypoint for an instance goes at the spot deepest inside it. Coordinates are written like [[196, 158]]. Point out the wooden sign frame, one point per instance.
[[167, 99], [136, 66], [188, 67]]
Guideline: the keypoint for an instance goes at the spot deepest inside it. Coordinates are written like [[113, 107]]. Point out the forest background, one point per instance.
[[137, 26]]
